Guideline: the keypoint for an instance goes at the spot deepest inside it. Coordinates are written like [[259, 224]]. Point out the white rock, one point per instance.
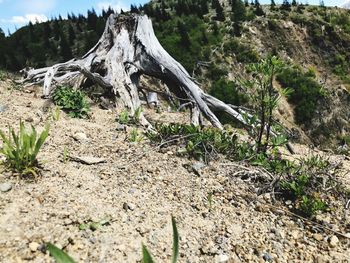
[[81, 137], [222, 258], [33, 246], [333, 242], [5, 187]]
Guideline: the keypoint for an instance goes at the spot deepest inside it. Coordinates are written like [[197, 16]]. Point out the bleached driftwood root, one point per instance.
[[127, 49]]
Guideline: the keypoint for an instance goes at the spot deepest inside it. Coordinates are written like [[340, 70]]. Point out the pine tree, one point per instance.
[[238, 16], [56, 30], [219, 10], [71, 34], [258, 9], [91, 19], [185, 39], [294, 3], [65, 50], [286, 5]]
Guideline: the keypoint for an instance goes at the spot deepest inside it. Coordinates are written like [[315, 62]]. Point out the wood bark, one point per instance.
[[127, 49]]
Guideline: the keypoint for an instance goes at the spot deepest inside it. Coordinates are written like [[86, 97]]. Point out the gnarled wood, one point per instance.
[[127, 49]]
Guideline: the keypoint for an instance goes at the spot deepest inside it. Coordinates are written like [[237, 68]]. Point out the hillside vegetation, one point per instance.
[[215, 41]]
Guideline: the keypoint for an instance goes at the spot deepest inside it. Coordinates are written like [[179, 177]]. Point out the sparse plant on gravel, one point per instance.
[[72, 101], [146, 255], [21, 149], [137, 114], [305, 181], [92, 225], [2, 75], [199, 143], [124, 117], [265, 97], [55, 113], [65, 154], [135, 136], [58, 254]]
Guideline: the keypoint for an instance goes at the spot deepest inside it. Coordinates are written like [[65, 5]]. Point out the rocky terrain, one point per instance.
[[134, 191]]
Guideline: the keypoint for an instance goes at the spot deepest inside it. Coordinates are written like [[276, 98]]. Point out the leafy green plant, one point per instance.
[[307, 92], [137, 114], [124, 117], [58, 254], [146, 256], [135, 136], [72, 101], [21, 149], [55, 113], [311, 205], [199, 143], [265, 97], [65, 154], [2, 75], [94, 225]]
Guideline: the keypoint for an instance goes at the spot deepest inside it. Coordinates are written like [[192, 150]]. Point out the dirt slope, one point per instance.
[[138, 189]]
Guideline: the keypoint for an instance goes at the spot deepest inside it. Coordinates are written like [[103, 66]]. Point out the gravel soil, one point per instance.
[[137, 190]]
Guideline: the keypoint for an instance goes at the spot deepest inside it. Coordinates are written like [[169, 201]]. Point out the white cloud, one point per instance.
[[115, 5], [21, 20]]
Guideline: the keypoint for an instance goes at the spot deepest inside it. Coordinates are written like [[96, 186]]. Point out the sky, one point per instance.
[[17, 13]]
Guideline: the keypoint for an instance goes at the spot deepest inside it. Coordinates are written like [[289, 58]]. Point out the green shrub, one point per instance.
[[199, 143], [2, 75], [72, 101], [135, 136], [306, 95], [228, 92], [21, 149], [243, 53]]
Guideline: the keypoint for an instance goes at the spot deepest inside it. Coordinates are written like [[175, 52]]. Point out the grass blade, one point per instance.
[[41, 140], [59, 255], [146, 256], [175, 241]]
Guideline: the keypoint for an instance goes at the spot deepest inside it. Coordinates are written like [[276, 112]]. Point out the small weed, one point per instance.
[[124, 117], [21, 149], [137, 114], [146, 256], [94, 225], [210, 201], [65, 154], [135, 136], [72, 101], [199, 143], [55, 113], [58, 254], [309, 205], [3, 75]]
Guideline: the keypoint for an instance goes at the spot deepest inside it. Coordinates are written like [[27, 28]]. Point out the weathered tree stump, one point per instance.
[[127, 49]]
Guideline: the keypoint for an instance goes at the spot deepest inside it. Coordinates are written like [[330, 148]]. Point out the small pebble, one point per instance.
[[333, 242], [317, 236], [222, 258], [33, 246], [5, 187], [267, 257]]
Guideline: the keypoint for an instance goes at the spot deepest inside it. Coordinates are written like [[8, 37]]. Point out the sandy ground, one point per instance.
[[137, 190]]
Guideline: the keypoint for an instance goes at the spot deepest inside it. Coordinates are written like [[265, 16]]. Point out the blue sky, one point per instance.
[[17, 13]]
